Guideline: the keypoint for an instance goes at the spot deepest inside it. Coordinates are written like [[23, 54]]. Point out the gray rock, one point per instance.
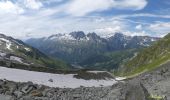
[[50, 80], [6, 97], [28, 88], [18, 94]]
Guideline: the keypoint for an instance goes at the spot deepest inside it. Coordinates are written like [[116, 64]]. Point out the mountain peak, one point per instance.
[[119, 34], [93, 35], [78, 35]]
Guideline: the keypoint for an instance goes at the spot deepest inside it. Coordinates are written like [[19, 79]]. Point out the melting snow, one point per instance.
[[59, 80], [120, 78], [96, 72], [27, 49], [8, 43], [63, 37], [8, 46]]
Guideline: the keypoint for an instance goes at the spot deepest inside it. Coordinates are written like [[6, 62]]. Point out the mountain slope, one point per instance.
[[15, 53], [78, 48], [109, 60], [150, 58]]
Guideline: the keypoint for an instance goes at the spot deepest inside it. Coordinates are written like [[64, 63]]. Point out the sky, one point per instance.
[[25, 19]]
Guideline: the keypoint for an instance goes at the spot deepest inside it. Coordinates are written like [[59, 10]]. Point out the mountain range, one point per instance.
[[90, 50], [144, 66]]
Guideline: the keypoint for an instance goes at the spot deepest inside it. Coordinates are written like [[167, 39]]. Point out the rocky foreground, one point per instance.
[[148, 86], [29, 91]]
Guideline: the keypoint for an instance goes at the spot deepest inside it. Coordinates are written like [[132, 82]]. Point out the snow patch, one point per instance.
[[58, 80], [2, 54], [14, 58], [63, 37], [27, 49], [120, 78], [8, 46], [5, 40], [8, 43], [96, 72]]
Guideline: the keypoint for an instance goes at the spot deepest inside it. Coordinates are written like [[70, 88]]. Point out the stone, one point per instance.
[[50, 80], [18, 94], [28, 88], [6, 97]]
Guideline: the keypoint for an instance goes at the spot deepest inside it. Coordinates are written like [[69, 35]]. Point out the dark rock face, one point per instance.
[[78, 35]]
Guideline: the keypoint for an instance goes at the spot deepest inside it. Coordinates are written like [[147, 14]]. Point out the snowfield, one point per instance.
[[51, 80]]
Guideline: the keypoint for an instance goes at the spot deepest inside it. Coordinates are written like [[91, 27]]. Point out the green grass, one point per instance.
[[148, 59], [155, 64], [156, 97]]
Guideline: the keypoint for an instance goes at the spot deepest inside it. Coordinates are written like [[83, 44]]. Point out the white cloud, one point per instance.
[[42, 24], [160, 28], [108, 29], [140, 33], [33, 4], [83, 7], [46, 21], [144, 15], [9, 7], [130, 4], [139, 27]]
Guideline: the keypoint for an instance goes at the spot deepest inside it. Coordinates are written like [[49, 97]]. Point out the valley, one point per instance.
[[151, 83], [84, 49], [90, 50]]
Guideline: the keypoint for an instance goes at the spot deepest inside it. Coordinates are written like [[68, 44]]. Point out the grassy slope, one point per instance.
[[149, 59]]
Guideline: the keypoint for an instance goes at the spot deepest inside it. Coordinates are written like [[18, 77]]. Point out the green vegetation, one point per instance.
[[39, 58], [109, 60], [156, 97], [148, 59]]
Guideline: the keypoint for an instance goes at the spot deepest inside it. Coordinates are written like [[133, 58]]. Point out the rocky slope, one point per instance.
[[15, 53], [28, 91], [77, 48]]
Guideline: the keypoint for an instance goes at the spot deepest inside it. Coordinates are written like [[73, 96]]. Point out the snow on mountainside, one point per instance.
[[118, 38], [14, 53], [10, 44], [52, 80], [73, 36]]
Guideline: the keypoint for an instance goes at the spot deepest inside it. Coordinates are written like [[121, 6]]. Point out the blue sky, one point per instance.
[[37, 18]]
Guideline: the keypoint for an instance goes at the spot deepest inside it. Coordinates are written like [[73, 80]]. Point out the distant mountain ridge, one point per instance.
[[15, 53], [78, 47]]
